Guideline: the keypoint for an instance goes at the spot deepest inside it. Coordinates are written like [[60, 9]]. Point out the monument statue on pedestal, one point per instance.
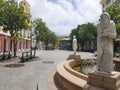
[[106, 34], [104, 78], [74, 44]]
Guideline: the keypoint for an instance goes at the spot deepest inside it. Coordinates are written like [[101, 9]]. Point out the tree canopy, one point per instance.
[[13, 19], [86, 34], [43, 33], [114, 11]]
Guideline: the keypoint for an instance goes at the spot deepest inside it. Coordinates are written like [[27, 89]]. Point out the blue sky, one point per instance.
[[63, 15]]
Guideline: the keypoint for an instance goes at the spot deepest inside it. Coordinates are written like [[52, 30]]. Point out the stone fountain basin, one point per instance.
[[66, 78], [69, 67]]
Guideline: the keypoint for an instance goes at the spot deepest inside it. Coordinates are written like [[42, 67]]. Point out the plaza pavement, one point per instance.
[[35, 72]]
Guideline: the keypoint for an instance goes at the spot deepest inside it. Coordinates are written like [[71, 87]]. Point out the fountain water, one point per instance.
[[67, 76], [87, 66]]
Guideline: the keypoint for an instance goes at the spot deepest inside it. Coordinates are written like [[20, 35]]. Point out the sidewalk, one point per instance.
[[35, 72]]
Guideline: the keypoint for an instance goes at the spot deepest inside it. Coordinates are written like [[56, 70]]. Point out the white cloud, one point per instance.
[[63, 15]]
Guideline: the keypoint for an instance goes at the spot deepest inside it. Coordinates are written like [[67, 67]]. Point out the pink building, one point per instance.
[[4, 36], [5, 43]]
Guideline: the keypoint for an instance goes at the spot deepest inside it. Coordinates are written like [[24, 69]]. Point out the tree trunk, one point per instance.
[[15, 47], [11, 45], [35, 49]]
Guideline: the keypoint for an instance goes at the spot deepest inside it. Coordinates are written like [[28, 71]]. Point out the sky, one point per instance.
[[61, 16]]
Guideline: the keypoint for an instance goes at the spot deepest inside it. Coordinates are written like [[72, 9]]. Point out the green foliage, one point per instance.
[[15, 16], [53, 38], [1, 12], [39, 29], [118, 29], [13, 19], [12, 16], [42, 32], [85, 34], [114, 11]]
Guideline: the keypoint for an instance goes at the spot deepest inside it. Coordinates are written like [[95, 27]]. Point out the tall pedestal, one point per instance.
[[98, 81]]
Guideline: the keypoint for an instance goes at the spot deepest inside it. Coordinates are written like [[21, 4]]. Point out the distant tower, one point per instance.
[[26, 33], [26, 7]]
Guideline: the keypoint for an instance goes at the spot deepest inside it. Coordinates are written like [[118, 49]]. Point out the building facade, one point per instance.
[[23, 43], [106, 3], [4, 40]]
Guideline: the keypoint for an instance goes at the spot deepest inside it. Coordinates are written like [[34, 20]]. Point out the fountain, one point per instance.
[[87, 66], [74, 56], [87, 74]]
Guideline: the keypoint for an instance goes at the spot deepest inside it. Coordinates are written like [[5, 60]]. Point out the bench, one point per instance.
[[5, 55], [26, 55]]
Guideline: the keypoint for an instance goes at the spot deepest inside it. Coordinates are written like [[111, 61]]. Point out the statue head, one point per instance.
[[74, 37], [105, 18]]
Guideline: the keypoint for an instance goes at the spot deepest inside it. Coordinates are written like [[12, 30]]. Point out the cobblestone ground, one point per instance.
[[35, 72]]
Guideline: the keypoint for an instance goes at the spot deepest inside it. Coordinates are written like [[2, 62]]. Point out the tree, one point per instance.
[[1, 12], [39, 29], [13, 19], [114, 11], [50, 38], [42, 32], [86, 35], [53, 38]]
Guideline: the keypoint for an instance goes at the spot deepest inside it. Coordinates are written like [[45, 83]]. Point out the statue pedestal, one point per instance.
[[75, 57], [103, 81]]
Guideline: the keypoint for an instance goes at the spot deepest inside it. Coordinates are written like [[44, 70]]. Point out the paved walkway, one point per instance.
[[34, 73]]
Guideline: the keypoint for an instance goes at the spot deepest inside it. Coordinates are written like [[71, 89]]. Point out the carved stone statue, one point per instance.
[[106, 34], [74, 44]]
